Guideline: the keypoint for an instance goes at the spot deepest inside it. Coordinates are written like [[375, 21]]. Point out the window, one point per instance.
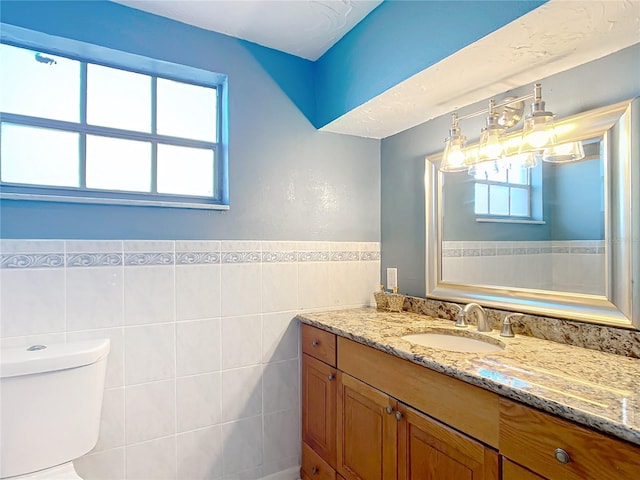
[[72, 130], [503, 193]]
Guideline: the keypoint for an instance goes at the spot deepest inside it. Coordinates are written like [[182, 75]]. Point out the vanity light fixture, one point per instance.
[[538, 132], [453, 159], [490, 147], [496, 148], [563, 153]]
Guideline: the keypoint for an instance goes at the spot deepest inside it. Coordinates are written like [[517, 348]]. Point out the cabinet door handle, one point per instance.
[[314, 470], [562, 456], [398, 416], [331, 376], [315, 343], [389, 409]]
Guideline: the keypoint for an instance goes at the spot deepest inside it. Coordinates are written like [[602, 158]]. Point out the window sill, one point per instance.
[[510, 220], [112, 201]]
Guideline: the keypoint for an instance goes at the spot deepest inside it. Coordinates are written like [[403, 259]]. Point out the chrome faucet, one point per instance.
[[483, 324]]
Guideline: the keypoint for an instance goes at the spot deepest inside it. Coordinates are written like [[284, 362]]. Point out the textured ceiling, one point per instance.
[[553, 38], [303, 28]]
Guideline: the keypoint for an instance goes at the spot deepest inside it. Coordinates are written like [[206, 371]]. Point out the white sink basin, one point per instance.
[[452, 343]]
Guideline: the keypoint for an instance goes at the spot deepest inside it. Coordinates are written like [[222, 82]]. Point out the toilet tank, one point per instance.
[[50, 403]]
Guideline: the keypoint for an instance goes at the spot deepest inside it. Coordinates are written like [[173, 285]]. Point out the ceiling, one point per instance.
[[305, 28], [555, 37]]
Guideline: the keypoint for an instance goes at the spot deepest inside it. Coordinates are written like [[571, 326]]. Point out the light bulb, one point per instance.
[[492, 149], [537, 139], [538, 132], [456, 157], [453, 157]]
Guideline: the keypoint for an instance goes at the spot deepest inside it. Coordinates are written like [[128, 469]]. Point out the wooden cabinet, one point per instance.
[[465, 407], [319, 387], [367, 431], [430, 450], [319, 344], [379, 438], [368, 415], [561, 450], [319, 396], [314, 467], [513, 471]]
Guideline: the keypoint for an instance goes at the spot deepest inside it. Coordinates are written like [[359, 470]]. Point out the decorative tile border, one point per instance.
[[320, 256], [369, 256], [345, 256], [241, 257], [134, 258], [94, 259], [490, 249], [146, 259], [32, 260], [279, 257], [197, 258]]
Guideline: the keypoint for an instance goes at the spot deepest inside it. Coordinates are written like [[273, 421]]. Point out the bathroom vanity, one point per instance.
[[375, 406]]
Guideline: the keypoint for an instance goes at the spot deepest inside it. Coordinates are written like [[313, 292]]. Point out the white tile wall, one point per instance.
[[203, 374], [566, 266]]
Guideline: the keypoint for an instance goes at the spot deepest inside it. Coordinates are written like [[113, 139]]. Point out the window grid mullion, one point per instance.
[[154, 132], [103, 131], [83, 122]]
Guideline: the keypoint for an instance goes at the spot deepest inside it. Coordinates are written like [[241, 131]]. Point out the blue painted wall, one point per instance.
[[601, 82], [287, 180], [576, 193], [399, 39]]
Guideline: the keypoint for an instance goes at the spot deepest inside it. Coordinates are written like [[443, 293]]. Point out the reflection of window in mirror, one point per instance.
[[504, 193], [540, 228]]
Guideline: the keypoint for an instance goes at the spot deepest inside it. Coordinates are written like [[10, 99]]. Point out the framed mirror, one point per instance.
[[559, 240]]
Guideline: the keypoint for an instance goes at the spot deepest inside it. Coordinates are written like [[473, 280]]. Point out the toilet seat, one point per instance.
[[60, 472]]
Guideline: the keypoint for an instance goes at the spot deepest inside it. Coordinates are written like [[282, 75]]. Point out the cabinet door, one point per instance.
[[367, 431], [319, 389], [430, 450]]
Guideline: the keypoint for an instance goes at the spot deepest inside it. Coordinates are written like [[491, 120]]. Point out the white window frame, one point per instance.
[[81, 194], [510, 185]]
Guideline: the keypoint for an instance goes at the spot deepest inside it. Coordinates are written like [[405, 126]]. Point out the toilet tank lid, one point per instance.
[[51, 357]]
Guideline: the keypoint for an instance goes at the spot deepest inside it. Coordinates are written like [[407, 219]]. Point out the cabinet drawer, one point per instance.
[[530, 437], [319, 344], [314, 467], [513, 471]]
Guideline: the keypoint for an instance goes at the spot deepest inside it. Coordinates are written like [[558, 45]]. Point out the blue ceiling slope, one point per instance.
[[397, 40], [124, 29]]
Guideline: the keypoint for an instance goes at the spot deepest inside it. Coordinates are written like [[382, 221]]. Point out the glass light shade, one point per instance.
[[566, 152], [490, 146], [538, 132], [484, 169], [521, 160], [454, 158]]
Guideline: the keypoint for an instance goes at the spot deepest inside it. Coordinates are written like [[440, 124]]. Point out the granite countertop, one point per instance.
[[596, 389]]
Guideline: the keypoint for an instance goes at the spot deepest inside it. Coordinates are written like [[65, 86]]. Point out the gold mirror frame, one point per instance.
[[619, 127]]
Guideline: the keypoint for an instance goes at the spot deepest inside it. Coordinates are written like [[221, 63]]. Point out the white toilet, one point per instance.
[[50, 404]]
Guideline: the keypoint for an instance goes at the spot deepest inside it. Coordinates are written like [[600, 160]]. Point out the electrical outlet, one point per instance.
[[392, 278]]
